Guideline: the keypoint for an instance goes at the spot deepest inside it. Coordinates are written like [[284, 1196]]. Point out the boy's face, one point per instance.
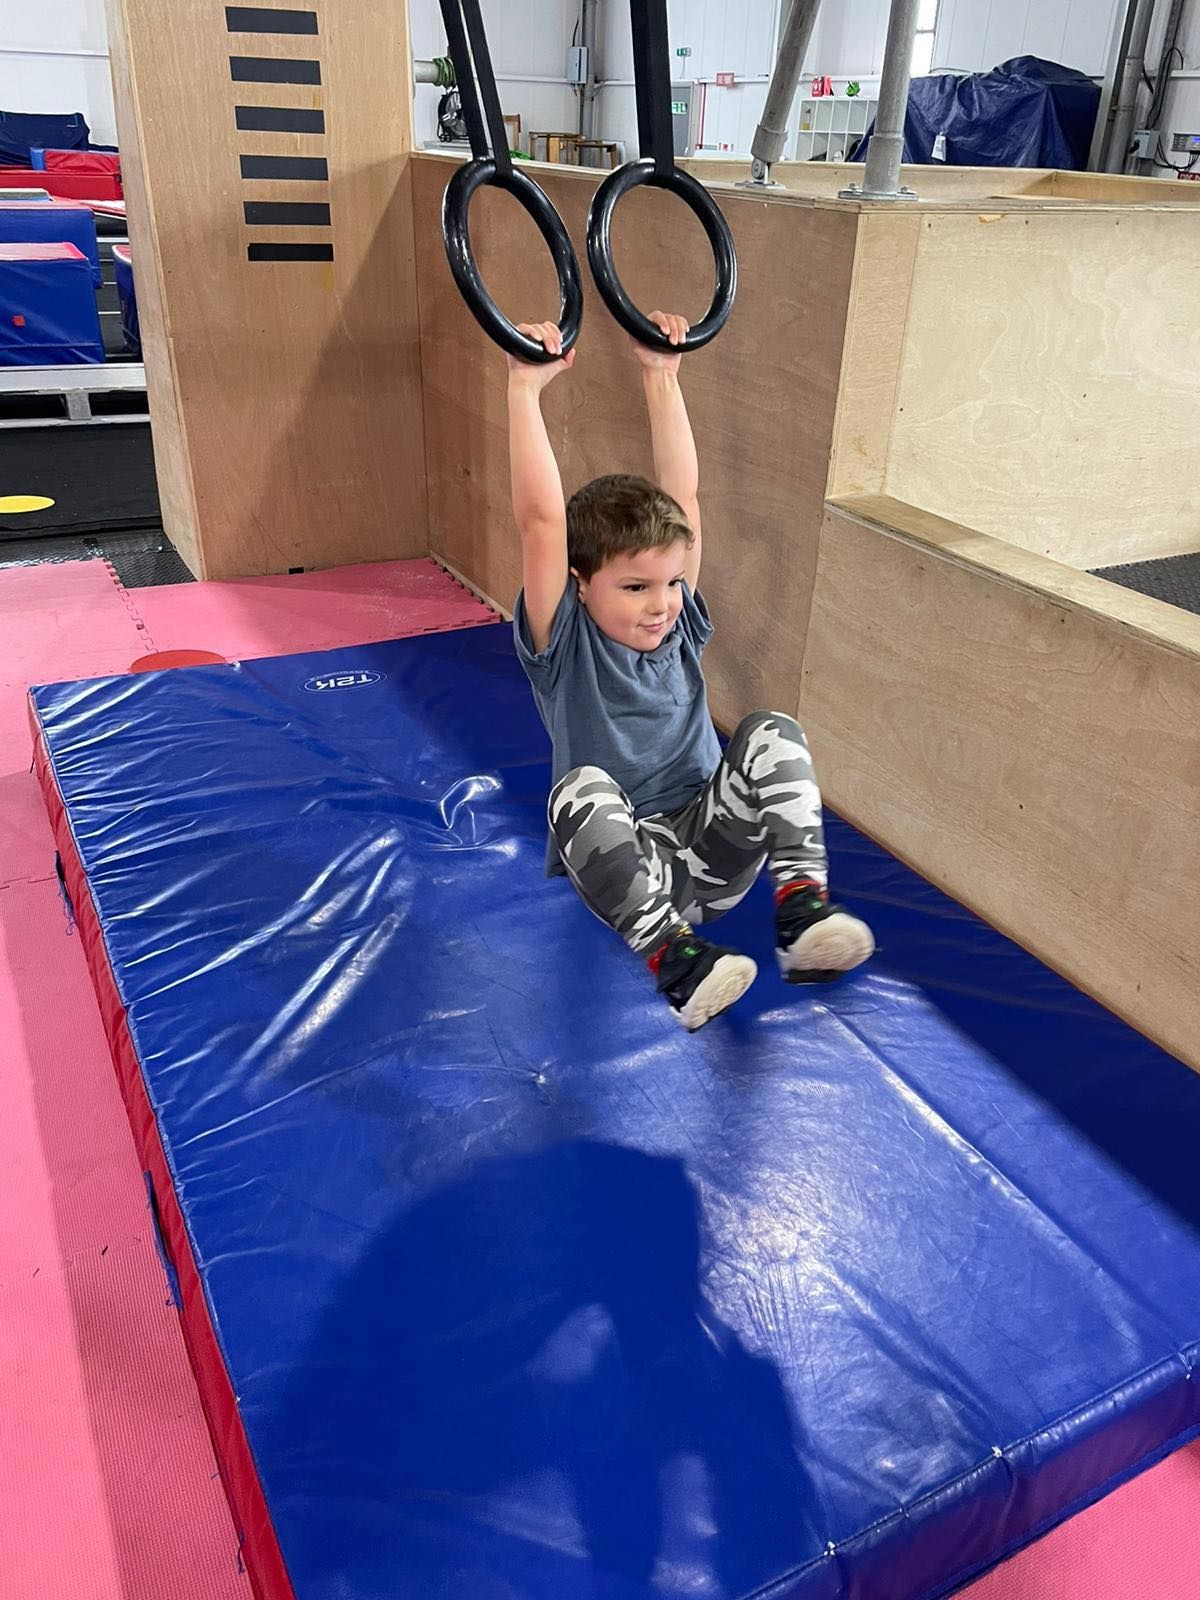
[[636, 598]]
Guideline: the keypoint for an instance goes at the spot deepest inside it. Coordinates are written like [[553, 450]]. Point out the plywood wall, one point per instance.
[[1105, 188], [762, 399], [285, 395], [1048, 385], [873, 351], [822, 180], [1028, 751]]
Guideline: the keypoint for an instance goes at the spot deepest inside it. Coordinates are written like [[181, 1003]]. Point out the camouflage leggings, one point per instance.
[[646, 876]]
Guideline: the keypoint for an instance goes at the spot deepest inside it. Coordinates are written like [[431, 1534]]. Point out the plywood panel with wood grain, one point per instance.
[[825, 179], [173, 467], [762, 398], [873, 353], [285, 395], [1022, 749], [1106, 187], [1048, 388]]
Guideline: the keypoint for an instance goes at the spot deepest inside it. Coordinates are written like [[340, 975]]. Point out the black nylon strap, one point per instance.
[[488, 93], [652, 75], [464, 72]]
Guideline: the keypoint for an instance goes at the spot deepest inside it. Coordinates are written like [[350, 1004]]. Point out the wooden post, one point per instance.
[[266, 160]]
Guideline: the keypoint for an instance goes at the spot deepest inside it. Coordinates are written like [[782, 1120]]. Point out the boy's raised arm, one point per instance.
[[676, 469], [537, 492]]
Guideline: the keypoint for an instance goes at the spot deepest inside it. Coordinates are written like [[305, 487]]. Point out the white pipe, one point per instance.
[[588, 14], [628, 83], [426, 72], [37, 50]]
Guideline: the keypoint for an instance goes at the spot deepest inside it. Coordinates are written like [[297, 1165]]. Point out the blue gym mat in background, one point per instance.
[[48, 311], [52, 222], [524, 1294]]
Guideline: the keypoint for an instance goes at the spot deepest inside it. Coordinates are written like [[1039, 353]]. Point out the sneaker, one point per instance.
[[700, 980], [816, 942]]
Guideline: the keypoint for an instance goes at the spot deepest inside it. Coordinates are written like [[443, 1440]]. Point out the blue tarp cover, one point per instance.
[[23, 131], [1025, 113]]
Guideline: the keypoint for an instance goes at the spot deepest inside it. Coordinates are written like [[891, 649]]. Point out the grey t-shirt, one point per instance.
[[641, 715]]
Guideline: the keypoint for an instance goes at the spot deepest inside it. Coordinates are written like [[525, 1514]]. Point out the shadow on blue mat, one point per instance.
[[547, 1323]]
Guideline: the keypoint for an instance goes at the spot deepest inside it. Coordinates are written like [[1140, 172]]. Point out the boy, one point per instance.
[[655, 828]]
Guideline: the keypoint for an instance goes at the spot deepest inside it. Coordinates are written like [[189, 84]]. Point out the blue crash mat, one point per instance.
[[526, 1295], [52, 222]]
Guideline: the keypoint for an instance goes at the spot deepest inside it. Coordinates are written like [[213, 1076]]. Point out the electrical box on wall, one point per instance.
[[1187, 144], [577, 64]]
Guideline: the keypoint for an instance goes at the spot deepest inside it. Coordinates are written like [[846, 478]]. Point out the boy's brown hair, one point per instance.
[[620, 515]]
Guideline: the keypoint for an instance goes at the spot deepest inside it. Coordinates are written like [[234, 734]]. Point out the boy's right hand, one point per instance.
[[537, 374]]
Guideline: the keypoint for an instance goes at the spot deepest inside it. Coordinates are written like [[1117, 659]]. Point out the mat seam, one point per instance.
[[22, 881], [135, 615], [475, 594]]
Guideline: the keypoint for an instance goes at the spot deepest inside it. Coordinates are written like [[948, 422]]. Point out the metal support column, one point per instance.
[[588, 15], [1118, 51], [885, 153], [771, 133], [1133, 71]]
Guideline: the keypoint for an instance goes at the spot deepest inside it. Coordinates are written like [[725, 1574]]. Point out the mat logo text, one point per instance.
[[342, 680]]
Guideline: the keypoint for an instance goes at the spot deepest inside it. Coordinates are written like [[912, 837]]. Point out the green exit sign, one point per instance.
[[679, 108], [684, 50]]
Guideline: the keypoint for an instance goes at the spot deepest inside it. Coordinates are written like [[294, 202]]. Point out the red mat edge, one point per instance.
[[258, 1543]]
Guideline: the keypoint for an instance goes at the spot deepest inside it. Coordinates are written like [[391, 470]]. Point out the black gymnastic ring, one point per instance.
[[455, 203], [599, 248]]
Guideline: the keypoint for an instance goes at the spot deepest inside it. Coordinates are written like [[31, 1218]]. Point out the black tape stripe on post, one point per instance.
[[273, 69], [278, 119]]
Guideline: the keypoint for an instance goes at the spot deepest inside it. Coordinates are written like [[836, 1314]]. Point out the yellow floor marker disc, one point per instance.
[[24, 502]]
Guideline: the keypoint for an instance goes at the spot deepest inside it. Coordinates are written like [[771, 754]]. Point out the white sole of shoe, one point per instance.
[[839, 944], [727, 982]]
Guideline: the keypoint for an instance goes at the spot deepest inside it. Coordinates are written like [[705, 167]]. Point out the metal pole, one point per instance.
[[1118, 49], [885, 153], [771, 133], [587, 94], [1132, 71]]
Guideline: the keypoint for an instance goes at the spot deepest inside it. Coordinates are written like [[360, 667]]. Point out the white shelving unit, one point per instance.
[[830, 127]]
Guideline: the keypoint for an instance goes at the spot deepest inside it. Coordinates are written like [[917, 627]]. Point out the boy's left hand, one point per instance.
[[676, 329]]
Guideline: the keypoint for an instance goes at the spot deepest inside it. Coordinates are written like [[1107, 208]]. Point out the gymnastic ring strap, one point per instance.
[[478, 96], [600, 255], [455, 206]]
